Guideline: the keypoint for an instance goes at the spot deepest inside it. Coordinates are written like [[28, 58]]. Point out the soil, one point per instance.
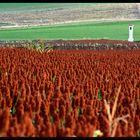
[[100, 12]]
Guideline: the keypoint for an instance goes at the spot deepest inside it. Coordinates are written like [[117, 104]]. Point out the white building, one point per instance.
[[130, 38]]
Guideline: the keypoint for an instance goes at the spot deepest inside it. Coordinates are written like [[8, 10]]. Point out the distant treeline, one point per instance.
[[102, 44]]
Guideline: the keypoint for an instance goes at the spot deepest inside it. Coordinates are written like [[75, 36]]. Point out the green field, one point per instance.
[[106, 30]]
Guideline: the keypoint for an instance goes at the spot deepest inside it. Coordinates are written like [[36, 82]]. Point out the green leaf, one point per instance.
[[13, 111], [51, 119], [97, 133], [62, 123], [79, 111], [71, 99], [99, 95], [33, 122]]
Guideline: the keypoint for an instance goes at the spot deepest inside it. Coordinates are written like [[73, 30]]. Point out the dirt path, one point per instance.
[[68, 22]]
